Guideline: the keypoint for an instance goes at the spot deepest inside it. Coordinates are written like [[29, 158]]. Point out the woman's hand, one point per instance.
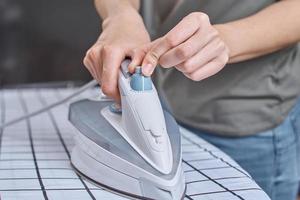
[[193, 46], [121, 34]]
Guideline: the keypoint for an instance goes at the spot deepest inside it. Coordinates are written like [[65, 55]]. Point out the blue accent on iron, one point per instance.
[[115, 108], [139, 82]]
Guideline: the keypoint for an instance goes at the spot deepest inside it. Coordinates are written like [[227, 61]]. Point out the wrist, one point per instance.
[[227, 34], [126, 16], [110, 8]]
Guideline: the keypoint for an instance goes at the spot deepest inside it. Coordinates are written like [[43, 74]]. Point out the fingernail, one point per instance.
[[130, 68], [147, 69]]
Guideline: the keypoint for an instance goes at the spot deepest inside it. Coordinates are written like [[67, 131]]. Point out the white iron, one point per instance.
[[135, 151]]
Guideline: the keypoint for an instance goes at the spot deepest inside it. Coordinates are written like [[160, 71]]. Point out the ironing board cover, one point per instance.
[[35, 156]]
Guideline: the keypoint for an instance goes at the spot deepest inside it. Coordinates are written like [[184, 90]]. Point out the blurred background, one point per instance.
[[45, 41]]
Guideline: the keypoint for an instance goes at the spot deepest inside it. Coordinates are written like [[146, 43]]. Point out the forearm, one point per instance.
[[110, 8], [273, 28]]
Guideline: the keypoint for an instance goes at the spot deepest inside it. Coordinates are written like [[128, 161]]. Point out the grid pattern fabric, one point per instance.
[[35, 156]]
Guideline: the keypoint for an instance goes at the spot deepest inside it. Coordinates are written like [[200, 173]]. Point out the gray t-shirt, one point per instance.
[[244, 98]]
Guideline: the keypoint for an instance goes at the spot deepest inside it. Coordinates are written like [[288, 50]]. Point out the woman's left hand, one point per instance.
[[193, 47]]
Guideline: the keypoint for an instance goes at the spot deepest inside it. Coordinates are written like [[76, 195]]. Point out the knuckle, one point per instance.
[[221, 62], [86, 62], [194, 77], [204, 17], [211, 34], [108, 49], [152, 57], [227, 51], [170, 40], [182, 52], [87, 52], [163, 62], [214, 32], [224, 59], [93, 53], [193, 15], [186, 67], [138, 52], [220, 46], [111, 49], [108, 90], [135, 51], [223, 46]]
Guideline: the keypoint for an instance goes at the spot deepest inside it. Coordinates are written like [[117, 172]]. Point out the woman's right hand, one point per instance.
[[121, 34]]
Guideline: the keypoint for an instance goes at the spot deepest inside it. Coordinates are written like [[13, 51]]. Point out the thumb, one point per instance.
[[137, 55], [158, 48]]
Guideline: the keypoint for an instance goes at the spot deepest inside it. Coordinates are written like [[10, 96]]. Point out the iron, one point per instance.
[[135, 149]]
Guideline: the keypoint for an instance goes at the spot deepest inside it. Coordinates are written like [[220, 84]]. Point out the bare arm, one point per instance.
[[271, 29], [109, 8]]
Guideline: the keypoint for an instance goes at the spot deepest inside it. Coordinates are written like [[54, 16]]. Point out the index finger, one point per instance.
[[112, 58], [180, 33]]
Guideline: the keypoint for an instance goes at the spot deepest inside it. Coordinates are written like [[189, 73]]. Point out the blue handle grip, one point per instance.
[[139, 82]]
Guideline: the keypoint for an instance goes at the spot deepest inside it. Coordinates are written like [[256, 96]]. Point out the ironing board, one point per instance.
[[35, 156]]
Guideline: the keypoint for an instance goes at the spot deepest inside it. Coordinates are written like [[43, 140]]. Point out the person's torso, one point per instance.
[[244, 98]]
